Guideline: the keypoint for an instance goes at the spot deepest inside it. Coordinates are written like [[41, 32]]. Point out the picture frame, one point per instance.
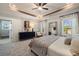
[[52, 28]]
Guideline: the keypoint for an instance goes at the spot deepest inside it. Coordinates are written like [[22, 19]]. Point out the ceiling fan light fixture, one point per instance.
[[40, 8]]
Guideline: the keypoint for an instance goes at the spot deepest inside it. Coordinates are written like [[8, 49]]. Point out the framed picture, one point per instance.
[[52, 28], [26, 25]]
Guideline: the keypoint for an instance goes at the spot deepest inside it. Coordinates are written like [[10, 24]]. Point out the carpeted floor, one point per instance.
[[20, 48]]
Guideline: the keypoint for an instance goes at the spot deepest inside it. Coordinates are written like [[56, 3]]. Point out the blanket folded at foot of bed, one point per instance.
[[40, 45]]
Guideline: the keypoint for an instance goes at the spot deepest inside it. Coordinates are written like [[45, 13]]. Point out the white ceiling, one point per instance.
[[27, 7]]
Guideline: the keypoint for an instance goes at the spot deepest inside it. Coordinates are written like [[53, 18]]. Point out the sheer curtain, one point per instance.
[[69, 24]]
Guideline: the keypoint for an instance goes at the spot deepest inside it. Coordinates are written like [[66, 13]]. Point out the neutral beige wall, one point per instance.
[[56, 17], [17, 26]]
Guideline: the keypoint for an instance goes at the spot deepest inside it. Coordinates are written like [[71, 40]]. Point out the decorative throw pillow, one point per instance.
[[68, 41]]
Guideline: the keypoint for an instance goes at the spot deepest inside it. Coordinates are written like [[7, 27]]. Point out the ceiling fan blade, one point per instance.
[[39, 4], [34, 8], [36, 4], [45, 8], [44, 4]]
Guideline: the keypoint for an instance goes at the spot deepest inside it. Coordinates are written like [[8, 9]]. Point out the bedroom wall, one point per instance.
[[56, 17], [17, 26]]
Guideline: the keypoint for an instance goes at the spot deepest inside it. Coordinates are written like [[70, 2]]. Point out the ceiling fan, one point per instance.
[[40, 6]]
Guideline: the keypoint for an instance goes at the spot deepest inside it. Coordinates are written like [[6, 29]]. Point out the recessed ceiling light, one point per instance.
[[40, 16], [69, 5], [13, 7]]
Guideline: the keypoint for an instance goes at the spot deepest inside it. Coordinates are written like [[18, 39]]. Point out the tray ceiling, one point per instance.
[[27, 7]]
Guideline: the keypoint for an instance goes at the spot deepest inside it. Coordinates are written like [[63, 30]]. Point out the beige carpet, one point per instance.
[[20, 48]]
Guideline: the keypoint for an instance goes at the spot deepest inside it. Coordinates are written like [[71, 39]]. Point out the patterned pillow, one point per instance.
[[68, 41]]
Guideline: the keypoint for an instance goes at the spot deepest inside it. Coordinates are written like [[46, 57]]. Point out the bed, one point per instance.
[[40, 45], [58, 48]]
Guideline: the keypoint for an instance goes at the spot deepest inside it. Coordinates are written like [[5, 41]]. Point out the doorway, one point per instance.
[[5, 31]]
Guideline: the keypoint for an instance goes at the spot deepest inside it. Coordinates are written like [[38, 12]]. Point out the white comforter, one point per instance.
[[58, 48]]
